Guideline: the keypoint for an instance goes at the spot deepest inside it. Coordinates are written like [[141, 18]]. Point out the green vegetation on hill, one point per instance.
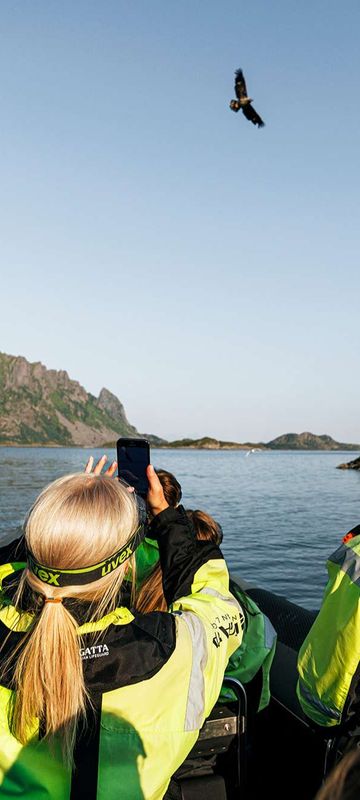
[[289, 441], [39, 406], [45, 407], [308, 441], [208, 443]]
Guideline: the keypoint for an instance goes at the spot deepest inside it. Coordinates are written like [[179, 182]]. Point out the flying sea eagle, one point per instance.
[[243, 102]]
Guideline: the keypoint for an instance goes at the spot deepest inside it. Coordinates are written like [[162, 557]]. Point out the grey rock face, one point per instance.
[[45, 406]]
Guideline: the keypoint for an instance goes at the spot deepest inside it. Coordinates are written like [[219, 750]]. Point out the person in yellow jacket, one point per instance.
[[97, 701], [329, 658]]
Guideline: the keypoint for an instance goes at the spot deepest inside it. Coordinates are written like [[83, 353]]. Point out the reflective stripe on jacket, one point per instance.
[[153, 679], [329, 658], [258, 645], [256, 651]]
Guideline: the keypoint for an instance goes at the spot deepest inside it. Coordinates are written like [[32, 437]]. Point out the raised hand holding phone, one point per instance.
[[155, 498], [133, 457]]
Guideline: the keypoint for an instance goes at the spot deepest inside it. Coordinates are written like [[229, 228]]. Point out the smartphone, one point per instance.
[[133, 456]]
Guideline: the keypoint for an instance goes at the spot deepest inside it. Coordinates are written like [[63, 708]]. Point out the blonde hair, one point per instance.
[[76, 521]]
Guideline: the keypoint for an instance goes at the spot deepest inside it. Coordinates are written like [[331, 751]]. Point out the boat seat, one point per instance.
[[331, 742], [291, 621], [283, 733], [216, 765]]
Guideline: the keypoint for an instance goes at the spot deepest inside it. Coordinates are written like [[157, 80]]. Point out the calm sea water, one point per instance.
[[282, 513]]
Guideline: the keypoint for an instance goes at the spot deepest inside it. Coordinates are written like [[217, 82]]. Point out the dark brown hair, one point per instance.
[[205, 527], [171, 487], [343, 782], [151, 595]]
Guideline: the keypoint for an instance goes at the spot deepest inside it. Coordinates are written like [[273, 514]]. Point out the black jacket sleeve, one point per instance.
[[181, 554], [13, 551]]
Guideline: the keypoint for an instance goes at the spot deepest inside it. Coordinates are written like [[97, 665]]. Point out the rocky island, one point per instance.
[[208, 443], [355, 464], [288, 441], [308, 441]]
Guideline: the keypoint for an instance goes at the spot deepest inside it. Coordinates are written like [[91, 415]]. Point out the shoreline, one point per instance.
[[183, 449]]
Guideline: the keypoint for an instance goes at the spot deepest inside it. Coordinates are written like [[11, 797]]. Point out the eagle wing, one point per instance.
[[240, 85], [252, 115]]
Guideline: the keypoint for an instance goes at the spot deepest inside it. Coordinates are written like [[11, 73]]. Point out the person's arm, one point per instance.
[[328, 662], [181, 554], [196, 587]]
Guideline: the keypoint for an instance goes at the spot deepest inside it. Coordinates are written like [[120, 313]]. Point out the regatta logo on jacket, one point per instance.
[[95, 651]]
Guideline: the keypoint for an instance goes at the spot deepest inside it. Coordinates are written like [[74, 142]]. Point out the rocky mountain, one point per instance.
[[308, 441], [45, 407], [40, 406]]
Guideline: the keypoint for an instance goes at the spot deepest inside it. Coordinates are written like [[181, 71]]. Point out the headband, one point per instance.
[[79, 577]]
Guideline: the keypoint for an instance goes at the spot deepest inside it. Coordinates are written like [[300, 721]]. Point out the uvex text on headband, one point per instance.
[[79, 577]]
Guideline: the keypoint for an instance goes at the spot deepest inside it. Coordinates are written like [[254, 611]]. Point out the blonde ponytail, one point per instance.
[[49, 678], [75, 522]]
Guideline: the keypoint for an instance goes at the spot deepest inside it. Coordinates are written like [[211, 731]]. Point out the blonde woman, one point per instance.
[[96, 701]]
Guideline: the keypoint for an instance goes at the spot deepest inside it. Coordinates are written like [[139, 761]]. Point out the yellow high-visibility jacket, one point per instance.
[[153, 679], [329, 658]]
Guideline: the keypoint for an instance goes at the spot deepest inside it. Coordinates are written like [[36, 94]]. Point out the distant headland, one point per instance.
[[288, 441], [44, 407]]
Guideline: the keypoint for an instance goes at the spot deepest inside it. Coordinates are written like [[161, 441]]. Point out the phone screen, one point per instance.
[[133, 456]]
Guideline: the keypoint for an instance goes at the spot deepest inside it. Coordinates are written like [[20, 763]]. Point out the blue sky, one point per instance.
[[155, 243]]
